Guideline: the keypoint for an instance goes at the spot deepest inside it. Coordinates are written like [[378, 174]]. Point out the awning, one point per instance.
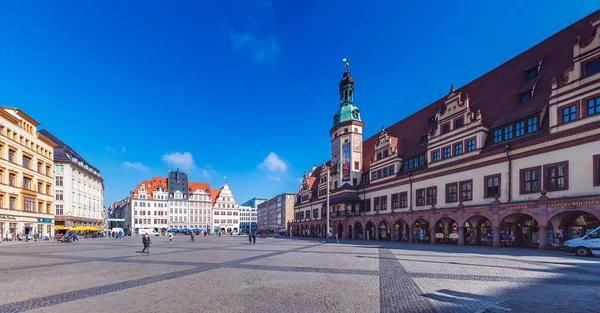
[[342, 199]]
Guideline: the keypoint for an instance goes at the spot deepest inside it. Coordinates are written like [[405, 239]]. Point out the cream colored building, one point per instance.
[[226, 212], [26, 176]]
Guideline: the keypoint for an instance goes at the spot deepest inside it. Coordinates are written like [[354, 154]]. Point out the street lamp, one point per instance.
[[106, 213]]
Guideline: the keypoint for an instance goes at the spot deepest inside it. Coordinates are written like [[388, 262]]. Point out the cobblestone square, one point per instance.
[[227, 274]]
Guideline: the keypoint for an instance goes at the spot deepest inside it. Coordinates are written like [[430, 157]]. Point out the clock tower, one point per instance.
[[346, 136]]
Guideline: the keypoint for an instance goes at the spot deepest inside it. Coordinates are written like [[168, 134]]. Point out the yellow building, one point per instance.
[[26, 177]]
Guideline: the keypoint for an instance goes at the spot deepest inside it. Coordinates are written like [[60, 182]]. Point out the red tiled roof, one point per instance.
[[147, 190], [214, 195], [496, 93], [193, 186]]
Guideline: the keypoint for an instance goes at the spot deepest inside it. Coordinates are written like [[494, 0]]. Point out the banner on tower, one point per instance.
[[346, 161]]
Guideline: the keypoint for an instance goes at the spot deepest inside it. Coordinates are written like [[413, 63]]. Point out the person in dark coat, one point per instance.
[[253, 237], [146, 242], [250, 237]]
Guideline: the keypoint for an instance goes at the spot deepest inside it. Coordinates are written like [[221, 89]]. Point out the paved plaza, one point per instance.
[[226, 274]]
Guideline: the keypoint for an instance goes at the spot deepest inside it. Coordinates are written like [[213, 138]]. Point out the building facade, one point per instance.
[[119, 215], [26, 176], [510, 159], [150, 206], [171, 202], [78, 188], [248, 219], [200, 207], [275, 213], [226, 212]]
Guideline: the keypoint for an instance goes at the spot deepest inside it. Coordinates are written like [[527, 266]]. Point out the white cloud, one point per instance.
[[136, 166], [260, 50], [273, 163], [185, 161], [205, 173], [109, 148], [274, 178], [123, 149], [208, 172]]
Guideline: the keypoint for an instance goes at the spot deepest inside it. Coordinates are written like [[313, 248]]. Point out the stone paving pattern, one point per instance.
[[226, 274]]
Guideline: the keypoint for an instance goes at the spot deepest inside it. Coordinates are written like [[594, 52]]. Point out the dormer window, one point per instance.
[[432, 120], [386, 153], [423, 140], [531, 74], [525, 97], [592, 67]]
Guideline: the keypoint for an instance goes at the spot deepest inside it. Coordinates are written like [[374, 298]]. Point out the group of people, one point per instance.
[[252, 237]]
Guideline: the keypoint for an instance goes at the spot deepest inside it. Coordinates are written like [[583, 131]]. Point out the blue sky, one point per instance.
[[244, 89]]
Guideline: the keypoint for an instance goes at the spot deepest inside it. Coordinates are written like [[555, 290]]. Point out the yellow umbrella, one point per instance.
[[59, 227], [78, 228]]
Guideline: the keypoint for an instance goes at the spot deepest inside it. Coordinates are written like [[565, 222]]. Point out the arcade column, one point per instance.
[[461, 236]]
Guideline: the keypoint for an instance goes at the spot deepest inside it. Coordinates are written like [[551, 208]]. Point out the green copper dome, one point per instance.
[[346, 113]]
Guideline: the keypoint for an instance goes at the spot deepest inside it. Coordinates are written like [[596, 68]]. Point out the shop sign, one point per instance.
[[444, 212], [12, 218], [439, 235], [516, 207], [453, 236], [44, 220], [476, 210], [574, 203]]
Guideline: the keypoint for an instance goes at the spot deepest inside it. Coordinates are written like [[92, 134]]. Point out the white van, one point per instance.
[[149, 231], [585, 246]]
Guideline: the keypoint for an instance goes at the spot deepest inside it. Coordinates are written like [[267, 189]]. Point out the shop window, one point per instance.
[[593, 106], [530, 180], [466, 190], [451, 192], [556, 176], [431, 195], [420, 197], [492, 186], [569, 114]]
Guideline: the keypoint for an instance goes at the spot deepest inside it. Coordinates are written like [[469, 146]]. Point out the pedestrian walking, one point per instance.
[[254, 237], [192, 236], [250, 237], [170, 237], [146, 242]]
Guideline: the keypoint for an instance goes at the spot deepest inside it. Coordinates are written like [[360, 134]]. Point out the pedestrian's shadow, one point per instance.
[[140, 252]]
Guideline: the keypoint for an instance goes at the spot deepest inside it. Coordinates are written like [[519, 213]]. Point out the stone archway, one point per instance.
[[384, 231], [400, 231], [312, 231], [370, 231], [421, 231], [446, 231], [569, 224], [358, 231], [340, 230], [478, 230], [522, 230], [318, 230]]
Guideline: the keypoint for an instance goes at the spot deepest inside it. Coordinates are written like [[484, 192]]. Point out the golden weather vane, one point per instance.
[[345, 60]]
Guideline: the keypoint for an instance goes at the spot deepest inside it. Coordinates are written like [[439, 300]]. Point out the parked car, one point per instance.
[[149, 231], [587, 245]]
